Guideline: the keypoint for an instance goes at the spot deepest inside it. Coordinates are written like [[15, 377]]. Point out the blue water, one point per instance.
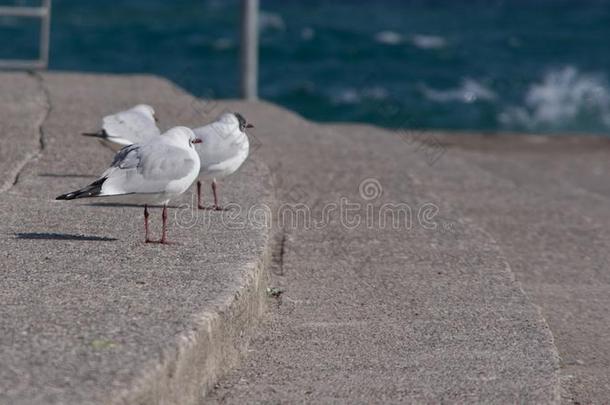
[[536, 65]]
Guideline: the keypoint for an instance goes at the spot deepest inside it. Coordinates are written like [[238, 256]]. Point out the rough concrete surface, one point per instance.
[[24, 106], [558, 191], [88, 312], [545, 201], [425, 313], [496, 239]]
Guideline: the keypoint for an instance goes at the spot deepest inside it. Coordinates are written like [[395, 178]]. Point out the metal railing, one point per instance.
[[249, 49], [44, 13], [249, 42]]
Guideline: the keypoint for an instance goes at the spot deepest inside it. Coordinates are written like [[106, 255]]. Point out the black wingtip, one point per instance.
[[68, 196], [92, 190]]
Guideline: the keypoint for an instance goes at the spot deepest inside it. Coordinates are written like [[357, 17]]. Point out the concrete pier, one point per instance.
[[492, 287], [88, 312]]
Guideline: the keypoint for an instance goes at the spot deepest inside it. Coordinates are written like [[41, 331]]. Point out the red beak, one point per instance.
[[196, 141], [249, 126]]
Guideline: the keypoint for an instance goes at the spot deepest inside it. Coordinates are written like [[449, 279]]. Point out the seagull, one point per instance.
[[148, 173], [223, 149], [135, 125]]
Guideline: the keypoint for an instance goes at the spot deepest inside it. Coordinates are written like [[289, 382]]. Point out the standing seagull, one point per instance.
[[223, 149], [135, 125], [149, 173]]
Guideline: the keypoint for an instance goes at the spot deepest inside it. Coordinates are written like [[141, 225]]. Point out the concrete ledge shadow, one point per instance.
[[62, 236]]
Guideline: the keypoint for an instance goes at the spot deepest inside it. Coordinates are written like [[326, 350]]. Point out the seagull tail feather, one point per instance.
[[92, 190]]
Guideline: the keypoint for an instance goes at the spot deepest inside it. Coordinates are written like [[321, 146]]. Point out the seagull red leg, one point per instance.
[[164, 231], [199, 204], [216, 206], [146, 239]]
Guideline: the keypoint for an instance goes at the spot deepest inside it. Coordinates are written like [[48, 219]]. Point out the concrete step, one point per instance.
[[23, 109], [554, 220], [426, 312], [89, 313], [545, 201]]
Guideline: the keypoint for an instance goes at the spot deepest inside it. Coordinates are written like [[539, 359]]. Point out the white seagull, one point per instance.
[[224, 147], [153, 172], [135, 125]]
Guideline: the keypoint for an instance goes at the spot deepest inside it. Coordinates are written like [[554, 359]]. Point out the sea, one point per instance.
[[539, 66]]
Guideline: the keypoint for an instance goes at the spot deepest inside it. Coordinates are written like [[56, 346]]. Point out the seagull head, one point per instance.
[[232, 121], [243, 124]]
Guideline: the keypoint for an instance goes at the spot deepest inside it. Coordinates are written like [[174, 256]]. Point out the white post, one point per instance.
[[45, 29], [249, 49]]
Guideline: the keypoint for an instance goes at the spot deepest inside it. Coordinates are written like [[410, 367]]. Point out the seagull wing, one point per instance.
[[129, 127], [147, 168]]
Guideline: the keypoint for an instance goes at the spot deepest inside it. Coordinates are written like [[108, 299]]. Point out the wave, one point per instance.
[[270, 21], [564, 99], [354, 96], [428, 41], [418, 40], [469, 91], [389, 38]]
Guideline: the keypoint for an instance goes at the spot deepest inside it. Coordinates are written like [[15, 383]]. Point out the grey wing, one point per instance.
[[130, 126], [147, 168], [165, 162], [214, 148], [126, 158]]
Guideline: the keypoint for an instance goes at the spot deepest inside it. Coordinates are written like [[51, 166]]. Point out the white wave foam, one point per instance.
[[428, 41], [346, 96], [563, 98], [469, 91], [354, 96], [270, 21], [389, 38]]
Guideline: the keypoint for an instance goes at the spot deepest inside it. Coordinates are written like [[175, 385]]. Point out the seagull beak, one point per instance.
[[196, 141], [249, 126]]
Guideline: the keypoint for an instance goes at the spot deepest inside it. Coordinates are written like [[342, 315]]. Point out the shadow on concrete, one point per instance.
[[67, 175], [110, 204], [211, 208], [62, 236]]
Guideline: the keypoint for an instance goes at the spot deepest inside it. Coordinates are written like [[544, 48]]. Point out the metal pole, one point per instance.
[[45, 29], [249, 49]]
